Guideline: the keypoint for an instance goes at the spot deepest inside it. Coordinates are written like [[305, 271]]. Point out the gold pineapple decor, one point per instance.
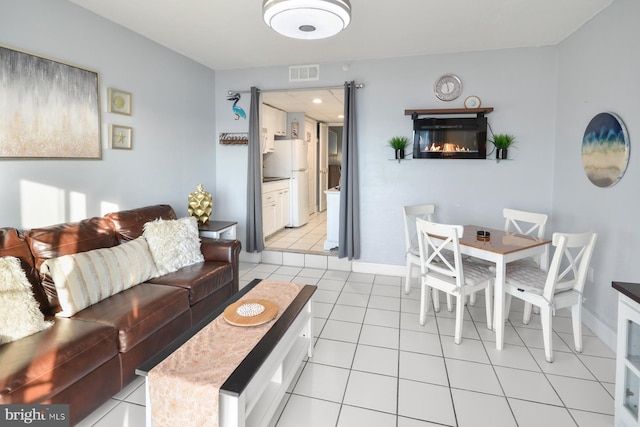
[[200, 204]]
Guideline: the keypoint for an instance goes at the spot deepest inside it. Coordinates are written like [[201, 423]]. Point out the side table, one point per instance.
[[218, 230]]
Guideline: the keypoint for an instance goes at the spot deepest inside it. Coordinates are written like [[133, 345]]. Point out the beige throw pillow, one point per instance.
[[86, 278], [173, 243], [19, 312]]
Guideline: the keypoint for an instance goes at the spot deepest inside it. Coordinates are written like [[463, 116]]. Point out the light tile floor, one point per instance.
[[375, 366], [306, 239]]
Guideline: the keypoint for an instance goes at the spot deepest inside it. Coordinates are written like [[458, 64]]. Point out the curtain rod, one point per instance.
[[297, 89]]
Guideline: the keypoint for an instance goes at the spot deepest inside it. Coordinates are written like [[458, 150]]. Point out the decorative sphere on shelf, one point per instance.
[[200, 204]]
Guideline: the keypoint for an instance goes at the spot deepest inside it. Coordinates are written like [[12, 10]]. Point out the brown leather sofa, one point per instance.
[[87, 358]]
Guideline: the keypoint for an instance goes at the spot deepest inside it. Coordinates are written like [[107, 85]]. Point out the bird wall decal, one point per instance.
[[238, 111]]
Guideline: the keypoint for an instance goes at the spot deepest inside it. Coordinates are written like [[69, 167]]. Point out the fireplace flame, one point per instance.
[[447, 147]]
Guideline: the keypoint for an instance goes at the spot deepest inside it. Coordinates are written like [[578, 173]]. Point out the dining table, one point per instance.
[[502, 247]]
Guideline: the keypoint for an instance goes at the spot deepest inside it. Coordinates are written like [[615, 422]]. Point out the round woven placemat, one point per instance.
[[231, 313]]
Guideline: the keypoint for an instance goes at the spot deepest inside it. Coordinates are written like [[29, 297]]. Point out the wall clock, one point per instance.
[[448, 87]]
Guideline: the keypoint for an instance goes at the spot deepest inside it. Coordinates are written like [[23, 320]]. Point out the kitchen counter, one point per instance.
[[273, 178], [333, 218]]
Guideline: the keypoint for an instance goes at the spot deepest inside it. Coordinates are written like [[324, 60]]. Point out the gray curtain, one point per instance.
[[349, 234], [255, 242]]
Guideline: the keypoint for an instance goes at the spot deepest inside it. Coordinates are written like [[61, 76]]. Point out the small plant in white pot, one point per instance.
[[502, 142], [399, 143]]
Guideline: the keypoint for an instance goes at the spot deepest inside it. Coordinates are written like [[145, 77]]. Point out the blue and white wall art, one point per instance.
[[605, 149]]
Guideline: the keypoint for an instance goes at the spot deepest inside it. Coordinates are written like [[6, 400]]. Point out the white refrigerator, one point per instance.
[[289, 159]]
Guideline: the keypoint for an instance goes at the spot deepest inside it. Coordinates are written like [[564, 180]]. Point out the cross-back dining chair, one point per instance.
[[562, 286], [525, 223], [412, 253], [448, 272]]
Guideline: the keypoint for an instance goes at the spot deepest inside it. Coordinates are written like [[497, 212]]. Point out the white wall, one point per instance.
[[519, 84], [173, 120], [598, 72]]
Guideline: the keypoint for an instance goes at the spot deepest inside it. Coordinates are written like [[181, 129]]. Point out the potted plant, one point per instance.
[[502, 142], [399, 143]]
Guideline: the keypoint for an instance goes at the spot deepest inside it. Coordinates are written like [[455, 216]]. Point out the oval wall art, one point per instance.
[[605, 149]]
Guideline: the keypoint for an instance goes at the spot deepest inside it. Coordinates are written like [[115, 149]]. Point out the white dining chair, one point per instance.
[[449, 274], [525, 223], [412, 253], [562, 286]]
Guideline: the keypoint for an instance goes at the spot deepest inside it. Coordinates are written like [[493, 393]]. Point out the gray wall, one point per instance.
[[598, 71], [173, 120], [520, 84]]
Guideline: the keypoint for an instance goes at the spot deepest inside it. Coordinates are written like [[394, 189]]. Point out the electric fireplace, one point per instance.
[[450, 138]]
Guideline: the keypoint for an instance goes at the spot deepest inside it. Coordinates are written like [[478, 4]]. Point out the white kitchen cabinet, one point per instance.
[[280, 122], [269, 213], [627, 391], [274, 123], [284, 204], [276, 206]]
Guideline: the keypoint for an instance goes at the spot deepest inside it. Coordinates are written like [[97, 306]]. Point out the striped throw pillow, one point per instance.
[[86, 278]]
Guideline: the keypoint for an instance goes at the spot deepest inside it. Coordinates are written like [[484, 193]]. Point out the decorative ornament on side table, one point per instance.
[[399, 143], [502, 142], [200, 204]]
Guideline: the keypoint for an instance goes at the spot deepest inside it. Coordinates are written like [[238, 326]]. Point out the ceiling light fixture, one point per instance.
[[317, 101], [307, 19]]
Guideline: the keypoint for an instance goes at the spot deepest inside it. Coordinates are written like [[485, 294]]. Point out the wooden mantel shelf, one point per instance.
[[437, 111]]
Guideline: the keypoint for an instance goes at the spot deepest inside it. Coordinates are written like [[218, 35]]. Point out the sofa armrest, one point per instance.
[[223, 251]]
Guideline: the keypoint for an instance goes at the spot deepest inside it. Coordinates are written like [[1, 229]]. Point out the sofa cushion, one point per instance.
[[41, 365], [173, 243], [129, 224], [12, 243], [20, 315], [200, 279], [138, 312], [66, 239], [86, 278]]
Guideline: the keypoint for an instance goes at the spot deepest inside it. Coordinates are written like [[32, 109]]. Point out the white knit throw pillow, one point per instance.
[[173, 243], [86, 278], [19, 312]]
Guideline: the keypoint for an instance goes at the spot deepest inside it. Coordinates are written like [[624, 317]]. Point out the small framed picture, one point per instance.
[[119, 101], [120, 137]]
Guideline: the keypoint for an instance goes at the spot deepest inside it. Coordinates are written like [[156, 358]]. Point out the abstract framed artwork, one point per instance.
[[48, 109], [605, 149]]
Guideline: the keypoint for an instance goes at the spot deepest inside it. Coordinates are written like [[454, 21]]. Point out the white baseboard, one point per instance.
[[383, 269], [602, 331]]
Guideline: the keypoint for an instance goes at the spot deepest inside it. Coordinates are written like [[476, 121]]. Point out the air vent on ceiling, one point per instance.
[[304, 73]]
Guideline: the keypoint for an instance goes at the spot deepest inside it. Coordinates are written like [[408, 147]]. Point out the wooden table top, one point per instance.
[[499, 241], [214, 225]]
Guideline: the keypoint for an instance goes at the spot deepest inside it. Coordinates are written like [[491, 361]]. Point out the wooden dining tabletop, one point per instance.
[[498, 241]]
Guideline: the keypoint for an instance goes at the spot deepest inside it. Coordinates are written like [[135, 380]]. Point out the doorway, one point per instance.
[[318, 117]]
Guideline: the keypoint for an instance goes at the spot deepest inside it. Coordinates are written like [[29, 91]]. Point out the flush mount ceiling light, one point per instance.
[[307, 19]]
